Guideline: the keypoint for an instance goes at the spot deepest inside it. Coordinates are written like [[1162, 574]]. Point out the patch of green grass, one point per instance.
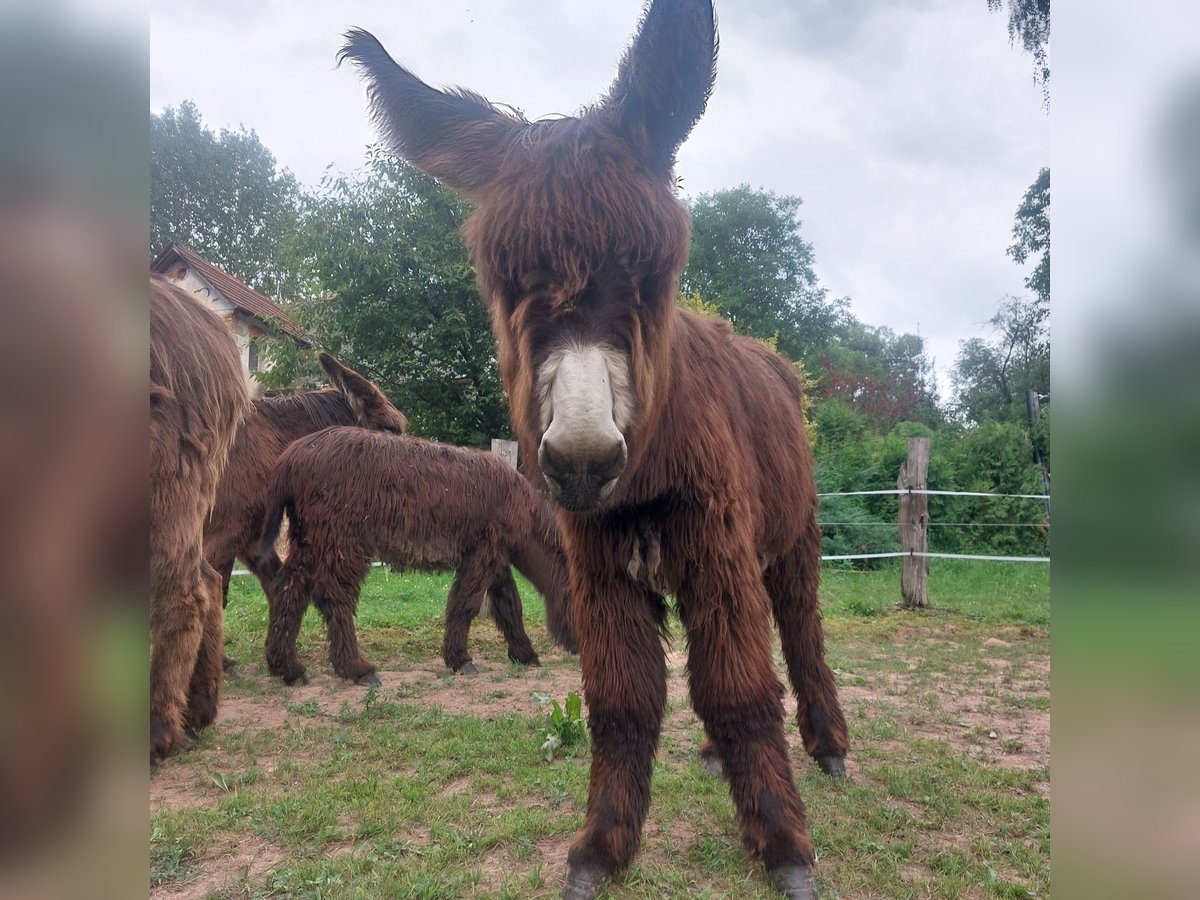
[[1016, 593], [389, 797], [173, 860]]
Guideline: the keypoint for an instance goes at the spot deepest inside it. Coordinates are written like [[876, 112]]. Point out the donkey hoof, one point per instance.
[[833, 766], [467, 668], [231, 667], [370, 679], [295, 680], [713, 766], [188, 739], [583, 883], [534, 663], [794, 882]]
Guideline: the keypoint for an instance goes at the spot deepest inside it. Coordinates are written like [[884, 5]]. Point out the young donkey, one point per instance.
[[197, 399], [675, 450], [233, 529], [353, 495]]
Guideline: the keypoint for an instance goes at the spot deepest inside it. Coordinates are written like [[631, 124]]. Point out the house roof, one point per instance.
[[244, 298]]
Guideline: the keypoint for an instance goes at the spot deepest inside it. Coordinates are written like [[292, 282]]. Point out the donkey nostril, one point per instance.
[[610, 466], [554, 465]]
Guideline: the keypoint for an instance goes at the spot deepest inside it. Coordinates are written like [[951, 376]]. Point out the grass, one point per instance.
[[345, 794]]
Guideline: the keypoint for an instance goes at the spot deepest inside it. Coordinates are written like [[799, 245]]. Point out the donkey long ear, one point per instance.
[[665, 78], [370, 407], [455, 135]]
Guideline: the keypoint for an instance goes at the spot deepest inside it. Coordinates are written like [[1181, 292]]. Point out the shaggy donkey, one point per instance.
[[272, 423], [353, 495], [675, 450], [197, 399]]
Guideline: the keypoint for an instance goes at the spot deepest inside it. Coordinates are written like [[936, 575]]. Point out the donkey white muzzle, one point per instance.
[[585, 404]]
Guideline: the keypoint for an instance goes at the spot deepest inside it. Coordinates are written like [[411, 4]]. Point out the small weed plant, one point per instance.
[[568, 729]]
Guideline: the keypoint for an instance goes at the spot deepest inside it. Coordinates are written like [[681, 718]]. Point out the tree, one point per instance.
[[392, 293], [749, 259], [886, 376], [221, 195], [1031, 236], [1029, 23], [992, 376]]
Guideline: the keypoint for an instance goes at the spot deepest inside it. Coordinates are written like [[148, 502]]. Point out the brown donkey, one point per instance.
[[675, 450], [353, 495], [197, 399], [271, 424]]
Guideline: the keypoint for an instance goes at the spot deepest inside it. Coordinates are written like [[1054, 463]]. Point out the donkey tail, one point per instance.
[[280, 499]]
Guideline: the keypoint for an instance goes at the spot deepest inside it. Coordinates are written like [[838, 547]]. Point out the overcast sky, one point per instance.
[[910, 128]]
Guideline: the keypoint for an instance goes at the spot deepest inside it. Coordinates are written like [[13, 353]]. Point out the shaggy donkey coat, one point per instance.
[[675, 450], [352, 496], [197, 399], [272, 423]]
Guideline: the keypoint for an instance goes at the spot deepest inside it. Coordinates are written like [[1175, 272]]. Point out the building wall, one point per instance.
[[244, 328]]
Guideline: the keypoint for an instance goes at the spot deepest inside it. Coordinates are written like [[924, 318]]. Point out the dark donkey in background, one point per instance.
[[675, 450], [352, 496], [271, 424], [197, 399]]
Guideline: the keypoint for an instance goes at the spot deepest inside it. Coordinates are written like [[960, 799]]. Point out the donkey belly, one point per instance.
[[430, 554]]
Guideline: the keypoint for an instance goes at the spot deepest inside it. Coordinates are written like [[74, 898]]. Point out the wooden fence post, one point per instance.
[[507, 451], [914, 520], [1033, 404]]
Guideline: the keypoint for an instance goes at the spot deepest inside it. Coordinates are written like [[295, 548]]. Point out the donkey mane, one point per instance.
[[322, 408]]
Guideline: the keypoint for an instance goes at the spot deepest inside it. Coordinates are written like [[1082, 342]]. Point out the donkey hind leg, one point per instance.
[[176, 629], [287, 599], [737, 695], [337, 601], [792, 582], [222, 559], [475, 573], [205, 689], [506, 612], [625, 684]]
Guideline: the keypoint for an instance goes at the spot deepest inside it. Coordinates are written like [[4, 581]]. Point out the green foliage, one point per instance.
[[885, 375], [223, 196], [568, 729], [1029, 23], [1031, 236], [393, 295], [699, 305], [749, 259], [991, 375]]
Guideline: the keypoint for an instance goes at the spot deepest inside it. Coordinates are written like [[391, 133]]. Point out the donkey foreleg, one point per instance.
[[177, 612], [205, 688], [791, 581], [737, 695], [624, 683]]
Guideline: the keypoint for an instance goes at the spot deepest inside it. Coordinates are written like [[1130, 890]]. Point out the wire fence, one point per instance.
[[847, 557]]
